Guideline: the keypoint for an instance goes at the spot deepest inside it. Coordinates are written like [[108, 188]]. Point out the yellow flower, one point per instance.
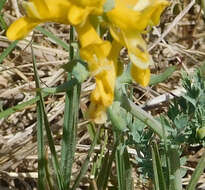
[[127, 21], [60, 11], [38, 11], [80, 10], [101, 57]]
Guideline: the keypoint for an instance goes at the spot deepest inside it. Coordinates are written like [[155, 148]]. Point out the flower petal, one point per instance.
[[141, 76], [40, 6], [158, 7], [77, 15], [20, 28], [125, 18], [103, 95], [101, 58], [87, 35], [136, 14], [97, 113]]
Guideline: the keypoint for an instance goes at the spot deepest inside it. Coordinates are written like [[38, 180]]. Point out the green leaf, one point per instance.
[[2, 23], [159, 178], [118, 117], [197, 173], [181, 122], [54, 38], [80, 72], [155, 79], [85, 166], [123, 168], [136, 130], [70, 122], [175, 175], [44, 121], [67, 86], [78, 69], [142, 115], [2, 2], [8, 50]]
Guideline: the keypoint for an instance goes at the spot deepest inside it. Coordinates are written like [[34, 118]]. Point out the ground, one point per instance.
[[177, 41]]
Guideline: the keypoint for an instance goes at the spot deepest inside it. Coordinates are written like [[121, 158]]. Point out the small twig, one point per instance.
[[175, 21], [163, 98], [16, 8]]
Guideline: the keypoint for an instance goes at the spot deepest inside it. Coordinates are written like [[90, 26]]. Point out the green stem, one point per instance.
[[143, 116], [197, 173], [85, 166], [176, 179], [70, 123]]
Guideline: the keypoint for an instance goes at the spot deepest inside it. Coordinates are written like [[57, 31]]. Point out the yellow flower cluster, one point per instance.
[[127, 20]]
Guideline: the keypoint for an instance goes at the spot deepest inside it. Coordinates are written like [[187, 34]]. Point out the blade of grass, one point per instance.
[[103, 170], [168, 168], [155, 79], [142, 116], [69, 132], [123, 166], [2, 22], [19, 107], [54, 38], [120, 168], [40, 146], [2, 2], [197, 173], [128, 171], [70, 123], [175, 176], [99, 157], [67, 86], [40, 133], [47, 128], [8, 50], [106, 167], [159, 179], [84, 168]]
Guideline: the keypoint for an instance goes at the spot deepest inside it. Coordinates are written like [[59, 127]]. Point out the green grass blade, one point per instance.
[[2, 2], [2, 23], [67, 86], [48, 130], [165, 145], [8, 50], [123, 168], [159, 179], [19, 107], [40, 133], [143, 116], [84, 168], [175, 176], [197, 173], [97, 164], [155, 79], [54, 38], [103, 171], [119, 166], [69, 132], [106, 167], [40, 146], [128, 171], [70, 123]]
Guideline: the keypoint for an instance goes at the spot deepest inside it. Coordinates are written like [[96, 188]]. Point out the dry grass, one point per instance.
[[179, 41]]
